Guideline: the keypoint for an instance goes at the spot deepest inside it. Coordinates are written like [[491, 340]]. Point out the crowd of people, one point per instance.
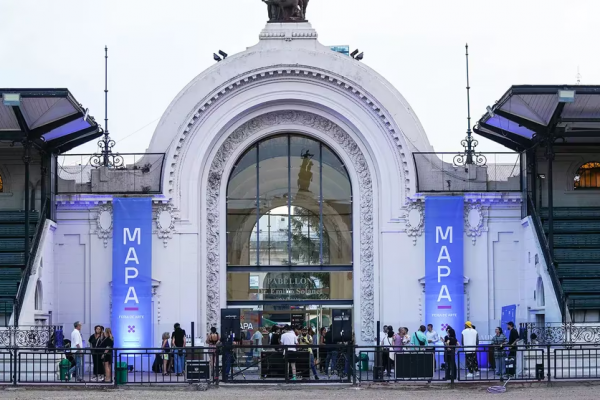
[[503, 348], [101, 342]]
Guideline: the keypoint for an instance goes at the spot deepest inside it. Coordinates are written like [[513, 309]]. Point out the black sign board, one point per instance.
[[298, 320], [230, 324], [342, 326]]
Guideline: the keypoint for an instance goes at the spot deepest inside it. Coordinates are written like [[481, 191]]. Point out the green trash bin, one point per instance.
[[121, 373], [364, 362], [64, 367]]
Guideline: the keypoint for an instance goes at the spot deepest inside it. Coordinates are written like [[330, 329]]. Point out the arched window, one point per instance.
[[289, 209], [588, 176], [39, 297], [541, 295], [1, 184]]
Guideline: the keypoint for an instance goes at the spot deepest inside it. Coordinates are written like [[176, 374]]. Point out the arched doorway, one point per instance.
[[289, 230]]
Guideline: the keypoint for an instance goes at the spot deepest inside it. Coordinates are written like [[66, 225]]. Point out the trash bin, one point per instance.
[[364, 362], [121, 373], [64, 367]]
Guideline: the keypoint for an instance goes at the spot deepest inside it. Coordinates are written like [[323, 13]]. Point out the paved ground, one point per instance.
[[581, 391]]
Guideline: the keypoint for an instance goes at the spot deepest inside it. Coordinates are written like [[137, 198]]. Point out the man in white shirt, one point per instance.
[[433, 339], [470, 340], [77, 351], [289, 338]]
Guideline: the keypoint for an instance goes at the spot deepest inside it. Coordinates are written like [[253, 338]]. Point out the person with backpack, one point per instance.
[[419, 338]]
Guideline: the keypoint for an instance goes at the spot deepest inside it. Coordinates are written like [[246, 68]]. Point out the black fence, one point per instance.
[[128, 174], [314, 364], [447, 172]]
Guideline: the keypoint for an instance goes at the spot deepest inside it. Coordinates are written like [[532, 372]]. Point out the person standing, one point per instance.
[[77, 351], [433, 340], [388, 352], [470, 340], [178, 343], [513, 342], [107, 357], [498, 343], [450, 344], [95, 342], [322, 350], [212, 339], [166, 353], [289, 338], [419, 339], [257, 339], [331, 353], [306, 340]]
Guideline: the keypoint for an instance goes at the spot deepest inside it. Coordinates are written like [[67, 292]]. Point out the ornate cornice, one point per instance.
[[215, 206], [289, 72]]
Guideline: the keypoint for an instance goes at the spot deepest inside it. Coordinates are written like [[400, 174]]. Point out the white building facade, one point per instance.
[[290, 84]]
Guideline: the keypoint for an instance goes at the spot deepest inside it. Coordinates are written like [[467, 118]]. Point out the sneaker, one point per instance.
[[469, 375], [316, 378], [294, 379], [95, 379]]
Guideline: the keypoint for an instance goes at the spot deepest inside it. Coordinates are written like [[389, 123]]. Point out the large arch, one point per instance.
[[288, 83], [218, 175]]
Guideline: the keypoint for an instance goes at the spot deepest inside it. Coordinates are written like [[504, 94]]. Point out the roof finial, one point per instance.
[[469, 156], [105, 157], [578, 76]]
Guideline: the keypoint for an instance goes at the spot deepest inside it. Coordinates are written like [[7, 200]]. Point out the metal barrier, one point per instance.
[[447, 172], [240, 364]]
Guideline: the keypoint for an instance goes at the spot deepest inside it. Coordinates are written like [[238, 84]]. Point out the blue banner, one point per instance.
[[132, 272], [444, 269]]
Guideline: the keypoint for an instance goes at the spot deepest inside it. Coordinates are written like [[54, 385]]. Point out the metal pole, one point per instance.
[[469, 132], [193, 334], [43, 186], [550, 158]]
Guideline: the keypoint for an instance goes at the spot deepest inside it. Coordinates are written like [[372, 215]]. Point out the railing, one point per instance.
[[34, 336], [25, 275], [562, 333], [269, 364], [439, 172], [132, 174], [539, 230]]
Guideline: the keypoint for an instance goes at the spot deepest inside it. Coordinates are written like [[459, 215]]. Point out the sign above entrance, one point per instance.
[[444, 257]]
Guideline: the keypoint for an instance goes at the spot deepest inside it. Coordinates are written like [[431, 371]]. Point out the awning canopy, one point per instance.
[[528, 114], [50, 118]]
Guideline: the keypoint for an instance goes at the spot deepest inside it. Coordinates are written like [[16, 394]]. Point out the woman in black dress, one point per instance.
[[107, 356], [96, 342]]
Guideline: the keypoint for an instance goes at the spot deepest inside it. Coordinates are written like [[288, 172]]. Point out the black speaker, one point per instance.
[[410, 365], [230, 324], [342, 325], [197, 370]]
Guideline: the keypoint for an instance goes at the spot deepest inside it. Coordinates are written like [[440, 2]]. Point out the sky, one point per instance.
[[156, 47]]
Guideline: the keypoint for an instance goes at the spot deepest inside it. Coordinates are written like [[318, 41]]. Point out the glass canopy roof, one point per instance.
[[527, 114], [51, 118]]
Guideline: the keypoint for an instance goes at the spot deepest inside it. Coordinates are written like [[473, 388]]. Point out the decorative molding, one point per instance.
[[104, 227], [415, 219], [288, 32], [215, 205], [165, 218], [290, 72], [475, 218]]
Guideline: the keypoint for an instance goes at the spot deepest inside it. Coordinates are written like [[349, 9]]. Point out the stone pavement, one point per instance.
[[580, 391]]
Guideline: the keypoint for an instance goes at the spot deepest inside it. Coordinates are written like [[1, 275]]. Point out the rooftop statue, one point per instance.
[[287, 10]]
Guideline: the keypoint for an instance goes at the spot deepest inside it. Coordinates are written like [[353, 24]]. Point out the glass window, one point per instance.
[[289, 203], [286, 286], [588, 176]]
